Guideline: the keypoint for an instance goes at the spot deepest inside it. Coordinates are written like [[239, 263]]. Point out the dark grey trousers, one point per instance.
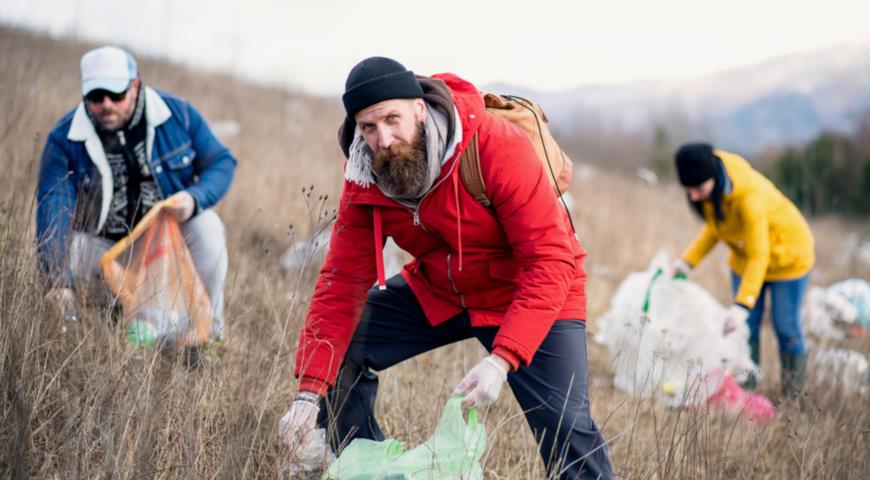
[[552, 391]]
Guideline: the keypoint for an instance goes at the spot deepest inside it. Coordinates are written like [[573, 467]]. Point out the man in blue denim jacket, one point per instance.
[[124, 148]]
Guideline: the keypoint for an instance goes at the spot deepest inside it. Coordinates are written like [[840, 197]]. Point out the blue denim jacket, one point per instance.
[[74, 174]]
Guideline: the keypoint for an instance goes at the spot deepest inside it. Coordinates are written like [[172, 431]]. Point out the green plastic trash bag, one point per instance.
[[452, 453]]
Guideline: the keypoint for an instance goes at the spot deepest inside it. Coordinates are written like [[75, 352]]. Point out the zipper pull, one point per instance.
[[416, 218]]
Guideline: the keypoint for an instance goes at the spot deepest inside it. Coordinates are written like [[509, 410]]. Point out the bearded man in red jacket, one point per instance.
[[510, 274]]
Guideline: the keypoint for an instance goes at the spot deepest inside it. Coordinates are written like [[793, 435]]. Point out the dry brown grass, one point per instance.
[[86, 405]]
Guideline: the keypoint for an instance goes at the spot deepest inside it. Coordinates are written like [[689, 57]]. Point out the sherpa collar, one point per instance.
[[156, 112]]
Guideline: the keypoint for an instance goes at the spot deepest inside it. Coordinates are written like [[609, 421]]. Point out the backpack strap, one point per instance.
[[469, 170]]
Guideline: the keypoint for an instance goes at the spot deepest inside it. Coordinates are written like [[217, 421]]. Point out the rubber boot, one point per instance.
[[793, 372], [192, 358], [751, 381]]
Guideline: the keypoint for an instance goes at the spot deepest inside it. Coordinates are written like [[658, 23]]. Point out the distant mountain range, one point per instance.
[[784, 100]]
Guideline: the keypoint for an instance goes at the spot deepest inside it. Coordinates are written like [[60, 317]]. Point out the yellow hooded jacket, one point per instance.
[[768, 237]]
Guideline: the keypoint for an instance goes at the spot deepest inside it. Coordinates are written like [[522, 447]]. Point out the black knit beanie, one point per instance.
[[696, 163], [376, 79]]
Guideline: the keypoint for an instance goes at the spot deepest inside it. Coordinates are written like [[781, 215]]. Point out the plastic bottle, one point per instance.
[[150, 325]]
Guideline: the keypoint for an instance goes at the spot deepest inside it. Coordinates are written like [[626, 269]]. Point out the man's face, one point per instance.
[[113, 111], [393, 130], [701, 192], [390, 121]]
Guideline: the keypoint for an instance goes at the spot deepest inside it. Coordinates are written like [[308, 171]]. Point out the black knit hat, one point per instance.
[[376, 79], [696, 163]]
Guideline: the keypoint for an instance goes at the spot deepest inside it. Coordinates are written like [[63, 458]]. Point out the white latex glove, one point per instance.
[[309, 458], [483, 382], [181, 206], [680, 267], [298, 422], [736, 315]]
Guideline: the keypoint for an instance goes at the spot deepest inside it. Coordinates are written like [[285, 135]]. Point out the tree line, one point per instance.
[[830, 174]]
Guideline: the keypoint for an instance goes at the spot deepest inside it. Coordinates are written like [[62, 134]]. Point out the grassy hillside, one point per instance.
[[86, 405]]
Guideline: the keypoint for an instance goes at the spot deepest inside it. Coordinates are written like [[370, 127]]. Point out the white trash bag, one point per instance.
[[839, 310], [840, 368], [665, 338]]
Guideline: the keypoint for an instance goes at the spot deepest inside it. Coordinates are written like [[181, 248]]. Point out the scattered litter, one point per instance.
[[306, 254], [864, 251], [840, 368], [854, 248], [815, 318], [852, 299], [647, 175], [600, 270], [837, 311], [225, 129], [584, 171], [310, 254]]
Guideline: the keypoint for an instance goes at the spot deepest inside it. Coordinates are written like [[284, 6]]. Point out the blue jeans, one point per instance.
[[552, 391], [787, 296]]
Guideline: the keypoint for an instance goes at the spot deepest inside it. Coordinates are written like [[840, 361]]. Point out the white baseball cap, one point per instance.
[[107, 68]]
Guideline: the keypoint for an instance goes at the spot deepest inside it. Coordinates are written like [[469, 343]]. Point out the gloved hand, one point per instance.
[[482, 384], [299, 420], [680, 268], [737, 314], [181, 206]]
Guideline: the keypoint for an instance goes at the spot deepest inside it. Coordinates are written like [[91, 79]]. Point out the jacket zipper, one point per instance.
[[415, 212], [453, 284]]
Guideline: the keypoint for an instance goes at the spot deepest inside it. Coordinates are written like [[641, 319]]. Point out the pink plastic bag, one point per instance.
[[735, 400]]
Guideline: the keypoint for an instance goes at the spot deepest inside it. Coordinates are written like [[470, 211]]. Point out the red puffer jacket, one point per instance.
[[516, 264]]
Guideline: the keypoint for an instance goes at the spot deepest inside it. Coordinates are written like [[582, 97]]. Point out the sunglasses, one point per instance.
[[97, 96]]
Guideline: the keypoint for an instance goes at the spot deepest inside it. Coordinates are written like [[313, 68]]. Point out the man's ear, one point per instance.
[[420, 109]]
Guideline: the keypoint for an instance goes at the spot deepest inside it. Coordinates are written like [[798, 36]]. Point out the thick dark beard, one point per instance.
[[131, 118], [402, 170]]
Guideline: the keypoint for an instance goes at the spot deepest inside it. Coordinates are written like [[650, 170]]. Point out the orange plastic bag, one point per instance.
[[153, 275]]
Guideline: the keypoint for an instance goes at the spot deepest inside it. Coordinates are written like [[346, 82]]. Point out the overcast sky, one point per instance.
[[543, 44]]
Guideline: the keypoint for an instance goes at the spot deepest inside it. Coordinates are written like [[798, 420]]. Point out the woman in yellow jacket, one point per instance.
[[771, 249]]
